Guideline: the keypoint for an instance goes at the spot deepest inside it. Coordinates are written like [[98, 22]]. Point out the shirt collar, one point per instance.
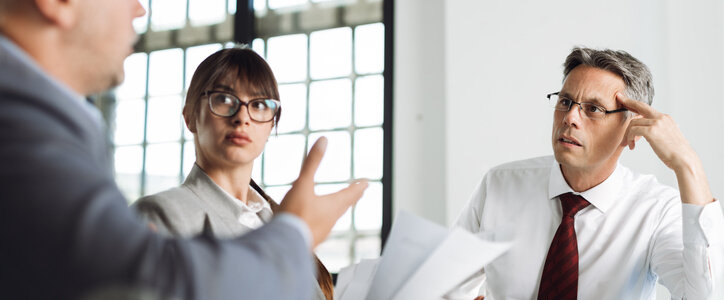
[[197, 179], [601, 196], [255, 203]]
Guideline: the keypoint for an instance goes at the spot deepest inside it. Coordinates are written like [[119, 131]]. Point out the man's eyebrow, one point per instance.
[[564, 94], [594, 100]]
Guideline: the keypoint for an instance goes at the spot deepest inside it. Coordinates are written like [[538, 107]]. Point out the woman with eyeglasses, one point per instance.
[[231, 107]]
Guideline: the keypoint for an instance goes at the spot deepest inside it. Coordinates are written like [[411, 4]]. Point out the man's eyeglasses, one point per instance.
[[590, 110], [224, 104]]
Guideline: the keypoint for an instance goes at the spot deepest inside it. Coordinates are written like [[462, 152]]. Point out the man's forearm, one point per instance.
[[693, 185]]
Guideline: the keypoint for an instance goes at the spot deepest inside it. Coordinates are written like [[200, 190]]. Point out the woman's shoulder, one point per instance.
[[179, 199], [170, 197], [171, 208]]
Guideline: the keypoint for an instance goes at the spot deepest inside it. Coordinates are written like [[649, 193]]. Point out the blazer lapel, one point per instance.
[[217, 203]]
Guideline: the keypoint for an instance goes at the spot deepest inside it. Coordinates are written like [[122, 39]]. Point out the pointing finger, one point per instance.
[[636, 106], [314, 158]]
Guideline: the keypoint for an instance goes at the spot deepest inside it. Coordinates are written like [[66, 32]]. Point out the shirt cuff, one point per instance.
[[703, 224], [298, 224]]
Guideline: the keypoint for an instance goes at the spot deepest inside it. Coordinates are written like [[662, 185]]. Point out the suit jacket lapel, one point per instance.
[[216, 202]]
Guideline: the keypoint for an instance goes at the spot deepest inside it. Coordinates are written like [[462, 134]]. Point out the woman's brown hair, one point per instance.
[[250, 68], [256, 75]]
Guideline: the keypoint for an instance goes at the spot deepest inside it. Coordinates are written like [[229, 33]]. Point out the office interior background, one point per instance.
[[461, 89]]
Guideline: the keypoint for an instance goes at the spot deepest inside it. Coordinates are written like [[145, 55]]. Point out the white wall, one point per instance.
[[471, 78], [419, 109]]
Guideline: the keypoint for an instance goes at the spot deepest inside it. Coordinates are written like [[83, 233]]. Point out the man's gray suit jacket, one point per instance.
[[66, 230]]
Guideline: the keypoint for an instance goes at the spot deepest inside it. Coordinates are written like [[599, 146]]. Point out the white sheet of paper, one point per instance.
[[344, 277], [411, 241], [358, 284], [460, 255]]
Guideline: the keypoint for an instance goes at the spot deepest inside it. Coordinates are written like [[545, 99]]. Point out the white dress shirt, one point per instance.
[[254, 213], [628, 238]]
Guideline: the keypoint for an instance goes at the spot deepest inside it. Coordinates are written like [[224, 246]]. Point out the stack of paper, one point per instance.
[[421, 260]]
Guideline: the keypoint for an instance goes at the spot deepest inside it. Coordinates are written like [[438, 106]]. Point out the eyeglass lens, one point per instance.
[[226, 105], [589, 109]]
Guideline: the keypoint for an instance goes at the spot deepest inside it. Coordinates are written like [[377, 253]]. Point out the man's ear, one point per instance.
[[63, 13], [189, 120]]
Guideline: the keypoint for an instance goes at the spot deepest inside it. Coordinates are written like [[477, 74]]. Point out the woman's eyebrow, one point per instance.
[[226, 88], [223, 87]]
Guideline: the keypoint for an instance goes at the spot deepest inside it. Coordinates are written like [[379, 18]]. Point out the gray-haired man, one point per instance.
[[585, 226]]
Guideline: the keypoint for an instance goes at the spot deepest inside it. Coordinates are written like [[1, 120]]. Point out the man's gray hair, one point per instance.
[[635, 74]]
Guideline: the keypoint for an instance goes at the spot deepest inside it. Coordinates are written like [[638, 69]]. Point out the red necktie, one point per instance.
[[560, 273]]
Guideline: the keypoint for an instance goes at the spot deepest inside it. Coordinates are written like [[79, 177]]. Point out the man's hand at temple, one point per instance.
[[670, 145]]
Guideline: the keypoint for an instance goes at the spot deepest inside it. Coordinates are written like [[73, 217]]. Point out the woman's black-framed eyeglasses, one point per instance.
[[225, 104]]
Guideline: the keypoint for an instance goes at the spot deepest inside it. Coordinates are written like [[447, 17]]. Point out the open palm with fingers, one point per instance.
[[320, 212]]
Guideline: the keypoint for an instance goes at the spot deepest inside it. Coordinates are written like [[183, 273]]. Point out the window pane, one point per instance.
[[287, 56], [189, 157], [369, 48], [367, 248], [368, 211], [283, 158], [163, 162], [335, 165], [168, 14], [294, 107], [256, 170], [134, 82], [129, 122], [345, 222], [164, 119], [165, 72], [232, 7], [141, 24], [128, 162], [330, 104], [330, 53], [369, 109], [194, 57], [368, 153], [334, 253], [258, 46], [259, 6], [205, 12], [277, 193], [275, 4]]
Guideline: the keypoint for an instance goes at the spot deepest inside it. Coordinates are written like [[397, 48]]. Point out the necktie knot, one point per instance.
[[571, 204]]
